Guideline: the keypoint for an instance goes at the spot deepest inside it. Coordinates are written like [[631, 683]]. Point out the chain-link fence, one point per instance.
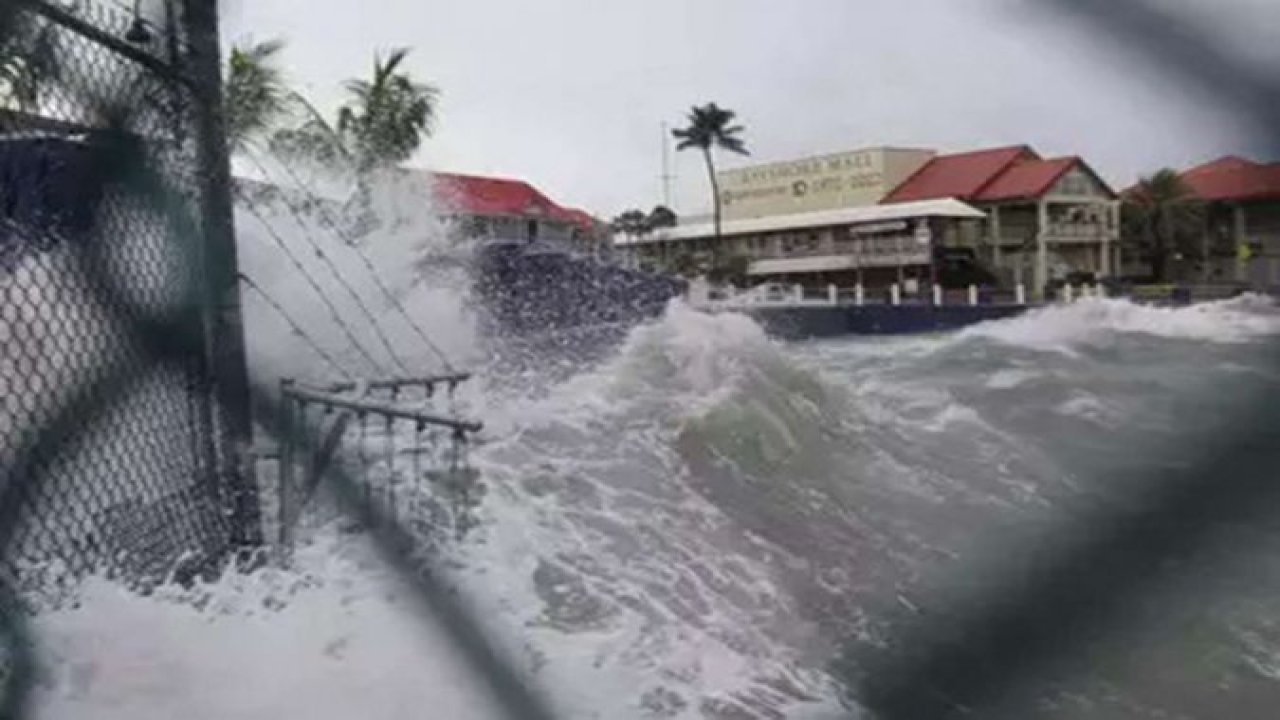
[[119, 445]]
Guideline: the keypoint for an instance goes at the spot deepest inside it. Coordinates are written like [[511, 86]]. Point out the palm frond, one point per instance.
[[710, 126], [256, 97], [387, 115], [312, 140]]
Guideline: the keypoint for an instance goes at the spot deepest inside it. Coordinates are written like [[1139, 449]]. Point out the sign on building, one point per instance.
[[841, 180]]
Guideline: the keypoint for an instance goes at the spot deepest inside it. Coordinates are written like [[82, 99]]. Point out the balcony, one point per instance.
[[1067, 233]]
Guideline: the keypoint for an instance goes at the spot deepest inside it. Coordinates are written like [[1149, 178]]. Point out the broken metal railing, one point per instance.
[[378, 422]]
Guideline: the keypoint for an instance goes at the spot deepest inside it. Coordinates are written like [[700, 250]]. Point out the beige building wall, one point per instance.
[[849, 179]]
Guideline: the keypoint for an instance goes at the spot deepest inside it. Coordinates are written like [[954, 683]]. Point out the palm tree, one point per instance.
[[1165, 218], [711, 126], [256, 97], [631, 223], [388, 115], [311, 139]]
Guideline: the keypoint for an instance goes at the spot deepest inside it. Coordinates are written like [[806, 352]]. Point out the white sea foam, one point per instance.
[[620, 581], [338, 636], [1060, 327]]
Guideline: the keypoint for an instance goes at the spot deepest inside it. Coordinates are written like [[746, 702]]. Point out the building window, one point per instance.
[[477, 227]]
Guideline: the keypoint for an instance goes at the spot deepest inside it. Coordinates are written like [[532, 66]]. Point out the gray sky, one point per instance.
[[571, 94]]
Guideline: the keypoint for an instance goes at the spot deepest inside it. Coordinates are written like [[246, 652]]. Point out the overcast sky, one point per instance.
[[571, 94]]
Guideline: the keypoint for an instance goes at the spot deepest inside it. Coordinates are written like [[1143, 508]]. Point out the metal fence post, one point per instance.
[[223, 332], [285, 481]]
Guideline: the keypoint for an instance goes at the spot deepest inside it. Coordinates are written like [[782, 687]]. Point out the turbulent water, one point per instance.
[[707, 523]]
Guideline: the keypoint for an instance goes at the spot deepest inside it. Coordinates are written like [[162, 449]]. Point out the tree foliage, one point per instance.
[[255, 96], [1162, 219], [382, 124], [387, 115], [632, 223], [661, 216]]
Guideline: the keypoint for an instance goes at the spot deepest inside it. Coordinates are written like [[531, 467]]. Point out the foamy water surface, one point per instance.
[[701, 523]]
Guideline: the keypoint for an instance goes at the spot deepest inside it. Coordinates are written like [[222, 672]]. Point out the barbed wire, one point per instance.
[[252, 209], [295, 327], [295, 213], [329, 223]]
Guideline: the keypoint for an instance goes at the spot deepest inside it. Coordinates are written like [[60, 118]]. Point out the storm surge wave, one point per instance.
[[706, 523]]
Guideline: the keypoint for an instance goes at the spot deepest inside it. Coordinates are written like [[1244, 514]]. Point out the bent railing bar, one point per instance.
[[385, 409], [451, 379]]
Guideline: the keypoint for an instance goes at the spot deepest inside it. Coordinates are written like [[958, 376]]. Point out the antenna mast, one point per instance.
[[666, 175]]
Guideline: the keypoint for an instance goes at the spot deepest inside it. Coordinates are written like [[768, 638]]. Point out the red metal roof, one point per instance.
[[582, 218], [495, 196], [476, 195], [1027, 179], [962, 175], [1234, 179], [1228, 162]]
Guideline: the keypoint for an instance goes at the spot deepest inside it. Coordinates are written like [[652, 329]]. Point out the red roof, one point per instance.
[[1229, 162], [1234, 179], [475, 195], [582, 218], [495, 196], [1026, 179], [963, 175]]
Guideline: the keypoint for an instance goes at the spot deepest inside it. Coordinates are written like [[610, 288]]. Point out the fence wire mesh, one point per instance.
[[88, 257], [114, 449]]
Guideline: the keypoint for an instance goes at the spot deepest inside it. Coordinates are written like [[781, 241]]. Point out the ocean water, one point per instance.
[[705, 523]]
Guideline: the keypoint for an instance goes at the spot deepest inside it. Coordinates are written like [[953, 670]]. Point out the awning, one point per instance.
[[945, 208]]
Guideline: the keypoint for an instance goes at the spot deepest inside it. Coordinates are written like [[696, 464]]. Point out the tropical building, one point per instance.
[[1240, 241], [871, 245], [1021, 217], [857, 178], [1046, 218], [508, 209]]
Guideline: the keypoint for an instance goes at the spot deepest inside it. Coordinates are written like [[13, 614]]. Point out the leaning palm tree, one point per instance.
[[1164, 216], [310, 139], [383, 124], [711, 126], [255, 96], [388, 115]]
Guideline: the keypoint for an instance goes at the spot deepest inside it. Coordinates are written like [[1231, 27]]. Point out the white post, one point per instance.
[[859, 295], [937, 294], [1020, 294], [895, 294], [1067, 293], [831, 294], [798, 292], [973, 294], [1041, 275]]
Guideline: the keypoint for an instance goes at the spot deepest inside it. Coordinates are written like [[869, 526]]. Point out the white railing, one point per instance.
[[772, 294]]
